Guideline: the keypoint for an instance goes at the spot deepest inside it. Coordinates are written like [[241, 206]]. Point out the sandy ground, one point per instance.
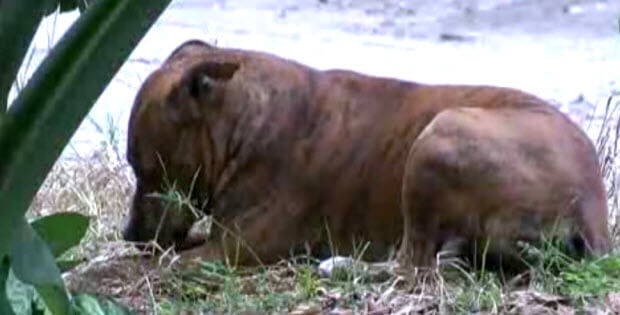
[[564, 51]]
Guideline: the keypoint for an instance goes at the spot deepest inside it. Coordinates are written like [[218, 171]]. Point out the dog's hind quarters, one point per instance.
[[504, 174]]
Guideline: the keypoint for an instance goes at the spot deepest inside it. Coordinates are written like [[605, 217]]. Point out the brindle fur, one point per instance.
[[281, 155]]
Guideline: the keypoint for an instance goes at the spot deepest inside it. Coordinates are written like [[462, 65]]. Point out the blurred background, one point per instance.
[[564, 51]]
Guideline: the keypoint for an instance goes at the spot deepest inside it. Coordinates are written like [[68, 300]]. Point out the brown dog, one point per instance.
[[283, 155]]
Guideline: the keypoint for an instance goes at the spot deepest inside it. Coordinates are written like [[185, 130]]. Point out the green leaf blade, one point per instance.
[[62, 230], [18, 23], [5, 304], [91, 304], [33, 263]]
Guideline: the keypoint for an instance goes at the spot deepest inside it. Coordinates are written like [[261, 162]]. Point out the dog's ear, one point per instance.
[[203, 77], [216, 70], [200, 86]]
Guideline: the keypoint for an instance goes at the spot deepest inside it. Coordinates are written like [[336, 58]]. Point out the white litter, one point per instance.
[[327, 266]]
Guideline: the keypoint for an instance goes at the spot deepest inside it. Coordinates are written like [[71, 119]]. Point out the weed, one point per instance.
[[307, 281], [591, 277]]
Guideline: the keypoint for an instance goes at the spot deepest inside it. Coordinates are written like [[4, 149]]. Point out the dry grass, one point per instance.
[[608, 148], [101, 186]]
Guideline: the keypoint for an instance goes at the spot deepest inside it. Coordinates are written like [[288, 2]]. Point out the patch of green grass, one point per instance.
[[479, 292], [582, 282], [591, 277], [471, 291], [308, 282], [278, 289], [219, 288], [557, 273], [546, 262]]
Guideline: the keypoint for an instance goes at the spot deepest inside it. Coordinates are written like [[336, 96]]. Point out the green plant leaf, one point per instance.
[[5, 305], [33, 263], [18, 23], [55, 298], [31, 259], [61, 92], [19, 20], [97, 305], [68, 5], [61, 231]]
